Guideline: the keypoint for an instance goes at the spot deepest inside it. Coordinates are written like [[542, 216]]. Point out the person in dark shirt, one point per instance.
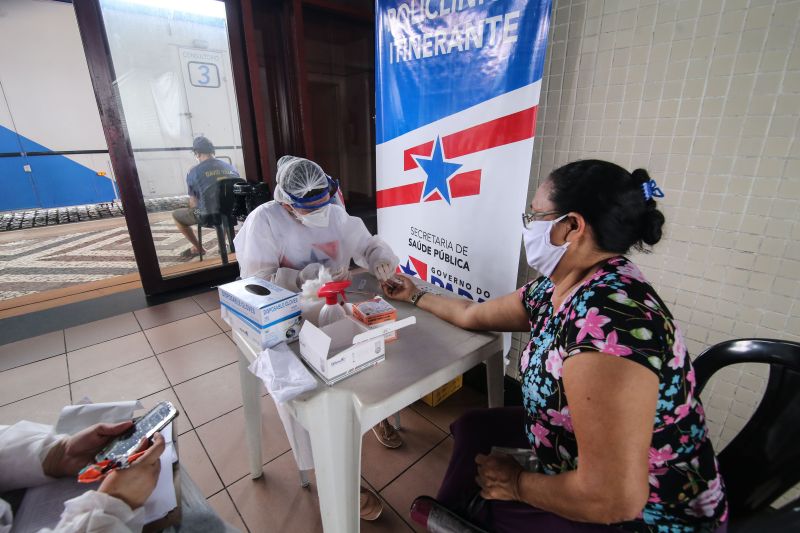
[[202, 182]]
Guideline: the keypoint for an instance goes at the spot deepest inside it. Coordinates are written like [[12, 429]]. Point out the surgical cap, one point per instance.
[[297, 177]]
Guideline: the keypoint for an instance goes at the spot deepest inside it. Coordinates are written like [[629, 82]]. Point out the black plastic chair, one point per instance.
[[222, 219], [763, 461]]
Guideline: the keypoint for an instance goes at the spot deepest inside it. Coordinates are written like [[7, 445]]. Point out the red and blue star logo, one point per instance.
[[443, 180], [439, 172], [414, 267]]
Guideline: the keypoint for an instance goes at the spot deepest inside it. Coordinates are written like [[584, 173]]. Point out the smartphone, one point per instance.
[[526, 457], [152, 422]]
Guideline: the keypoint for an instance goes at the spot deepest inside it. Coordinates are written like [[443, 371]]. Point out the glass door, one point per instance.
[[169, 87]]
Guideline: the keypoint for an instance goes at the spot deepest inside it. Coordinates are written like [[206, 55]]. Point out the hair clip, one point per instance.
[[651, 190]]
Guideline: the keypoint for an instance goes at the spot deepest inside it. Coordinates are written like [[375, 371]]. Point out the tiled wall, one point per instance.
[[704, 94]]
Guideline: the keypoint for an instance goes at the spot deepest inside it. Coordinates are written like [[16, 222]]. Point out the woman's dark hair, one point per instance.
[[612, 201]]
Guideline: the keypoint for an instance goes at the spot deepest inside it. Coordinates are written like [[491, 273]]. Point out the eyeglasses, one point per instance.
[[527, 218]]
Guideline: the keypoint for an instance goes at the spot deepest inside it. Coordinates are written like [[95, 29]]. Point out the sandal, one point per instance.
[[188, 254]]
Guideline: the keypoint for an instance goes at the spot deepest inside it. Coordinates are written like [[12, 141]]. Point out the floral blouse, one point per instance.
[[617, 312]]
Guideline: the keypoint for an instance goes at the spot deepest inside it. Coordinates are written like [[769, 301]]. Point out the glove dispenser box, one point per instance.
[[263, 312]]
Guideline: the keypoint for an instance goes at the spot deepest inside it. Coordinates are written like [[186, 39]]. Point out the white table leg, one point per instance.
[[336, 445], [251, 398], [494, 380]]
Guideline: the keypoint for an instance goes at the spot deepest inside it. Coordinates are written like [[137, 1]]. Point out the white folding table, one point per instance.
[[426, 356]]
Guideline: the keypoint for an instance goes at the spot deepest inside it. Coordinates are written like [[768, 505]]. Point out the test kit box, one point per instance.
[[345, 347], [263, 312], [376, 313]]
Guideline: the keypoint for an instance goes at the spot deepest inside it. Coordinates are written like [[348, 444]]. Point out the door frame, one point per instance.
[[101, 71]]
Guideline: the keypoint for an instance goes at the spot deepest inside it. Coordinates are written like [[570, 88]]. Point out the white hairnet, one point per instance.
[[298, 176]]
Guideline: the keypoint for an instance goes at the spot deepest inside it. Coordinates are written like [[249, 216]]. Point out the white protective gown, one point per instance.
[[23, 447], [272, 238]]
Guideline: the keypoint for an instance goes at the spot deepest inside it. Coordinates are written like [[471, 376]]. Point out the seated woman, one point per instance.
[[609, 403]]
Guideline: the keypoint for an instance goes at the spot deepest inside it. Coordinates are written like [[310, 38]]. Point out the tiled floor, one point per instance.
[[181, 351]]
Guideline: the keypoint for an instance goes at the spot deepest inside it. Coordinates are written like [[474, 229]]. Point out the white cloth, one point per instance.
[[285, 377], [271, 238], [282, 372], [23, 447]]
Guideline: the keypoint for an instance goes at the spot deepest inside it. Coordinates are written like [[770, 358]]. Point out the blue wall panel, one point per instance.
[[16, 185], [61, 181], [54, 180]]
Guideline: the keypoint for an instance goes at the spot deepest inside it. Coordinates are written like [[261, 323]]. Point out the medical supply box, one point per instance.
[[264, 313], [345, 347], [375, 313], [439, 395]]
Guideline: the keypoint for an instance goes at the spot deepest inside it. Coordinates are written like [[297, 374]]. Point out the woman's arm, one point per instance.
[[612, 403], [501, 314]]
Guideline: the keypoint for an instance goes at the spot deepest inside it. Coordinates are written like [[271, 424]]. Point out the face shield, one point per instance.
[[297, 178]]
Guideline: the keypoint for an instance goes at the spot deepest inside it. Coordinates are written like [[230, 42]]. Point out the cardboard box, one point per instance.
[[264, 313], [345, 347], [442, 393], [374, 313]]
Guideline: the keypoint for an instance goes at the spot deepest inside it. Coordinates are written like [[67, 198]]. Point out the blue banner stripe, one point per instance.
[[435, 58]]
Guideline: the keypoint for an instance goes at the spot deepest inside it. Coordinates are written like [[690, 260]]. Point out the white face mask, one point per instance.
[[319, 218], [541, 253]]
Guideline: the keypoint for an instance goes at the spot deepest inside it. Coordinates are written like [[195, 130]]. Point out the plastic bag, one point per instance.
[[282, 372], [312, 286]]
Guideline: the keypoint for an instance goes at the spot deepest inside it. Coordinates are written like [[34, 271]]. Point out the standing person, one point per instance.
[[302, 230], [610, 408], [202, 182]]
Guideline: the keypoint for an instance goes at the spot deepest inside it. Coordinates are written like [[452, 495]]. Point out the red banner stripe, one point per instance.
[[435, 197], [504, 130], [402, 195], [461, 185], [466, 184], [423, 150]]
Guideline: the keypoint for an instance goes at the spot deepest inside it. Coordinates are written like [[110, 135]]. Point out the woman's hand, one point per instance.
[[399, 288], [498, 477], [134, 484], [68, 456]]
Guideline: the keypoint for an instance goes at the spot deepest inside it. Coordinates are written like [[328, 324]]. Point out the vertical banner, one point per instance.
[[457, 90]]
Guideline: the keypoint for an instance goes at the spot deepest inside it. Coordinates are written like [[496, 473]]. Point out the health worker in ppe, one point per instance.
[[306, 228], [291, 238]]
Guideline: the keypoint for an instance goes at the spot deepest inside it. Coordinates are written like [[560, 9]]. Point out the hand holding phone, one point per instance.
[[134, 485], [68, 456], [153, 421]]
